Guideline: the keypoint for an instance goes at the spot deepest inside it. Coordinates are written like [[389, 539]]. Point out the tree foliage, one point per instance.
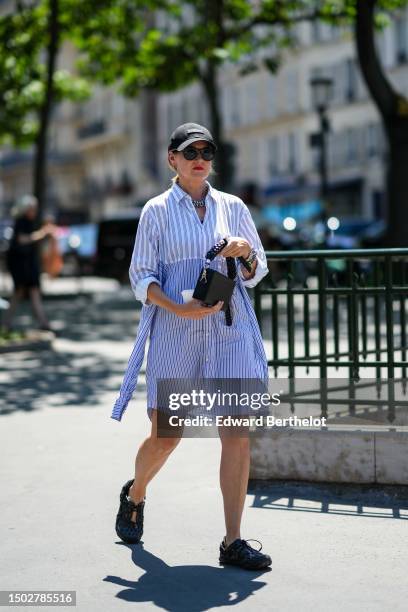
[[24, 37], [169, 47], [159, 44], [169, 44], [165, 45]]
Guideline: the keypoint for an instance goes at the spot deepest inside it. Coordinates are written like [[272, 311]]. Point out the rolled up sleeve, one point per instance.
[[248, 231], [144, 265]]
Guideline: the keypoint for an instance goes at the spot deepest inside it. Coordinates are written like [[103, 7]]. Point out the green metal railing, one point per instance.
[[335, 309]]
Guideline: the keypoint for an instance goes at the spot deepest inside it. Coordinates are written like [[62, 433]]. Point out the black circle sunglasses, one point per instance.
[[190, 153]]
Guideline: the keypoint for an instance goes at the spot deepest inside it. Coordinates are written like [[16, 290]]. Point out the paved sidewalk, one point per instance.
[[63, 464], [64, 286]]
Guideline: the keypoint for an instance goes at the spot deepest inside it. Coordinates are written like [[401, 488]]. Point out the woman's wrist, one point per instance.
[[173, 307], [156, 296], [248, 275], [251, 256], [248, 251]]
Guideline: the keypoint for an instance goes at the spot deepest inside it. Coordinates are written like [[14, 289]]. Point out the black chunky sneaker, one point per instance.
[[240, 553], [127, 530]]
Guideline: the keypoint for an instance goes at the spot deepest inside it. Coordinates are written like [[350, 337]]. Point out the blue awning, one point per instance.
[[300, 211]]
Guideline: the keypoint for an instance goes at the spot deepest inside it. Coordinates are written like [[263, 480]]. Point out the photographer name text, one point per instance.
[[252, 421]]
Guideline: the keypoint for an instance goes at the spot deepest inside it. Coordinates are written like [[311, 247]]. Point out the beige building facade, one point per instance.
[[110, 153], [270, 118]]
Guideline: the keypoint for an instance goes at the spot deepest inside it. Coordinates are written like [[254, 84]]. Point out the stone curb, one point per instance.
[[331, 456]]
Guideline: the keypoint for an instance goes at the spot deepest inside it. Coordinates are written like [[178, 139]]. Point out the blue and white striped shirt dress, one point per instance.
[[170, 247]]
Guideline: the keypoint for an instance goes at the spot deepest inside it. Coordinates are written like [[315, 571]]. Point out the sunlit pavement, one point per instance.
[[64, 461]]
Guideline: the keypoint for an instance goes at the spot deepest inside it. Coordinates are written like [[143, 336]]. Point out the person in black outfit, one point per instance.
[[23, 260]]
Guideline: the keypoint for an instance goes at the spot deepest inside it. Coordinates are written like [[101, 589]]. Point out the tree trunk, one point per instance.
[[394, 111], [224, 158], [40, 158], [397, 184], [214, 11]]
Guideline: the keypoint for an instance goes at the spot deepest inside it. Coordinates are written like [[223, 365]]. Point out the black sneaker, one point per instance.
[[127, 530], [240, 553]]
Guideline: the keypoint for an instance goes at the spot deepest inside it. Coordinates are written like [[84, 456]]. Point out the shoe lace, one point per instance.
[[246, 545], [129, 507]]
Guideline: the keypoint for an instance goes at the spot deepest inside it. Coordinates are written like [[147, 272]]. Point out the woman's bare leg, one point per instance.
[[15, 298], [151, 456], [38, 309], [234, 474]]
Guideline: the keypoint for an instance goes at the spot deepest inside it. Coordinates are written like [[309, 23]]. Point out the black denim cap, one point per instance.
[[186, 134]]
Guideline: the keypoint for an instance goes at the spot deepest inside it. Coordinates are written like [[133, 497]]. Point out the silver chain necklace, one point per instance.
[[201, 202]]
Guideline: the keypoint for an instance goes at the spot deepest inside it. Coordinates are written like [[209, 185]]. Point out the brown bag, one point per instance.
[[52, 262]]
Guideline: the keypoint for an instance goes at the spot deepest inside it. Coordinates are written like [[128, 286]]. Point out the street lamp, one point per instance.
[[289, 223], [333, 224], [321, 96]]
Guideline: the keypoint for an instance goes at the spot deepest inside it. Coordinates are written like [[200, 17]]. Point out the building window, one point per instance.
[[253, 159], [351, 146], [401, 40], [321, 32], [350, 92], [224, 107], [316, 31], [201, 111], [185, 108], [171, 115], [235, 109], [292, 93], [271, 98], [334, 149], [292, 153], [372, 140], [338, 83], [335, 32], [252, 101], [273, 155], [381, 47], [118, 105], [362, 91]]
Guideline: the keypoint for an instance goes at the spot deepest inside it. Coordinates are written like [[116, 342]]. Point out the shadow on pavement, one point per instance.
[[87, 318], [81, 372], [190, 588], [381, 501], [96, 318], [47, 378]]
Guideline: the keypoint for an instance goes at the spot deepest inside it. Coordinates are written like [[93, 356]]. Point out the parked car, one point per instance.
[[116, 237], [77, 244]]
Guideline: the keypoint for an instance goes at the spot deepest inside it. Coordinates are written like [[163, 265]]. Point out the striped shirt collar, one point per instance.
[[179, 193]]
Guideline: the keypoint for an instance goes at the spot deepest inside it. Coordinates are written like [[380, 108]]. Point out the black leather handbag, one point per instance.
[[213, 286]]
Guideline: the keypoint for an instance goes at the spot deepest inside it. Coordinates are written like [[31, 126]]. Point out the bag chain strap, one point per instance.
[[231, 269]]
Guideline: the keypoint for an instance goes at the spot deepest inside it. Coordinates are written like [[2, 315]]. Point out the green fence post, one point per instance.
[[321, 274]]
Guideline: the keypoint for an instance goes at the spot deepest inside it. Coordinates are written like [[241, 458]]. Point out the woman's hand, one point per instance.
[[239, 247], [236, 247], [49, 229], [46, 230], [195, 309], [190, 310]]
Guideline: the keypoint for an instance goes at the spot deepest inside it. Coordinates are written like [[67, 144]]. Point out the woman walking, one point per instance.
[[188, 339], [23, 260]]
